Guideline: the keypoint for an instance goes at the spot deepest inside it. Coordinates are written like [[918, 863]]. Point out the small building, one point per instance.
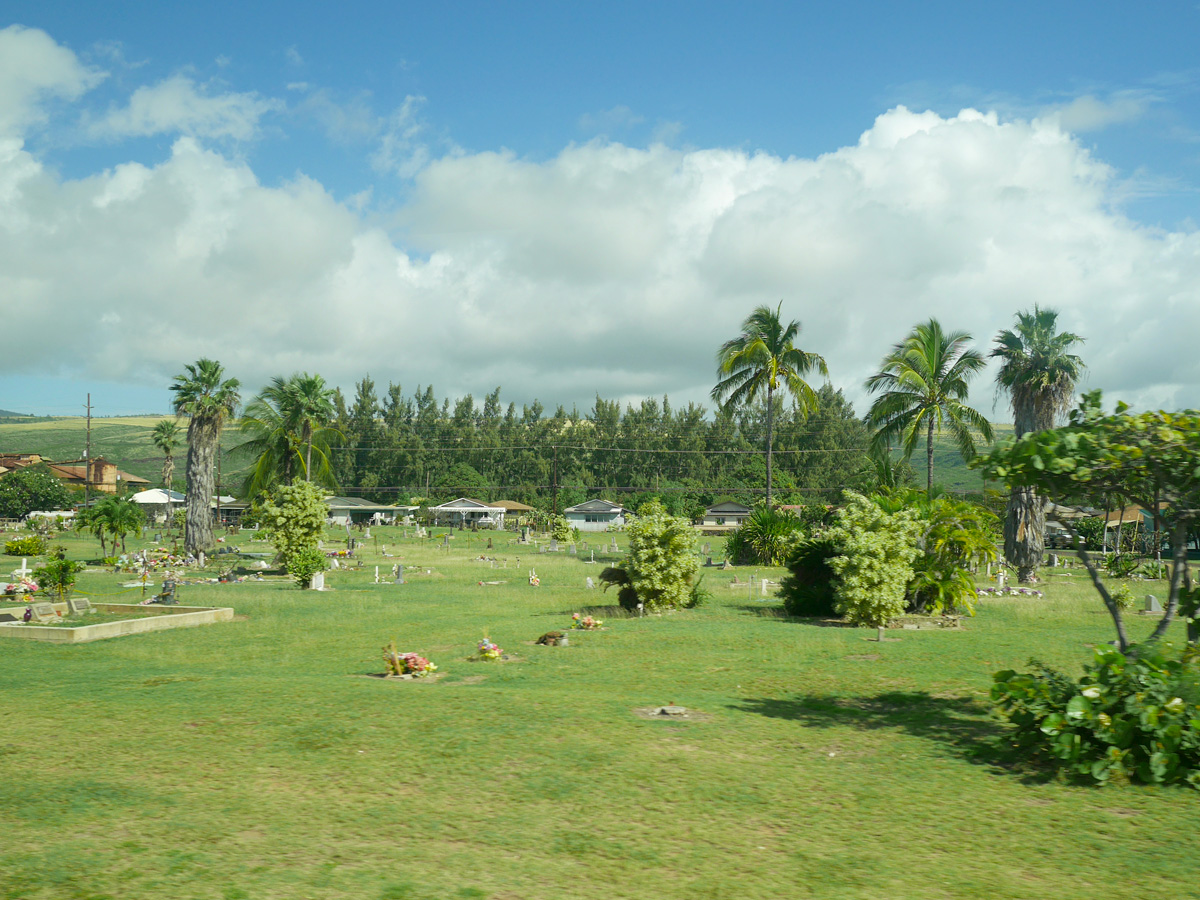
[[98, 474], [466, 512], [725, 516], [596, 515], [357, 511], [158, 504]]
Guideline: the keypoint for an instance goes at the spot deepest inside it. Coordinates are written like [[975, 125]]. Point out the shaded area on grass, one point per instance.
[[960, 723]]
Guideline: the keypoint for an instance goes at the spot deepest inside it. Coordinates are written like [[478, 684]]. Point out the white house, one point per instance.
[[467, 512], [727, 514], [157, 503], [595, 515]]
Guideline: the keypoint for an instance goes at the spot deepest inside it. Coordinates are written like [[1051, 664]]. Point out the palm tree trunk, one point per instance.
[[308, 453], [202, 443], [1024, 533], [929, 459], [770, 422]]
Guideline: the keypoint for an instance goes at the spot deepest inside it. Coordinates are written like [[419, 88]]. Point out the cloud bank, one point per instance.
[[605, 268]]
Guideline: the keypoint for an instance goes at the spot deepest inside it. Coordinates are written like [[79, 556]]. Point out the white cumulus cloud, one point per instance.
[[34, 69]]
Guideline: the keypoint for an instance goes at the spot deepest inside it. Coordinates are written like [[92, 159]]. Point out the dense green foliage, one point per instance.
[[1133, 715], [30, 489], [661, 562], [292, 518], [808, 588], [29, 545], [58, 575], [112, 518], [765, 538], [876, 550]]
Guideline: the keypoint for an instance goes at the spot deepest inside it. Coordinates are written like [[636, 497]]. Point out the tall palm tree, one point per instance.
[[763, 360], [922, 386], [166, 438], [208, 399], [286, 426], [1038, 373]]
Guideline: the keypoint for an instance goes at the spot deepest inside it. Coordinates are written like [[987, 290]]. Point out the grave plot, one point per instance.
[[79, 621]]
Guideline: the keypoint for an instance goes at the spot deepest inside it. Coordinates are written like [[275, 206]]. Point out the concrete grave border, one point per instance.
[[142, 619]]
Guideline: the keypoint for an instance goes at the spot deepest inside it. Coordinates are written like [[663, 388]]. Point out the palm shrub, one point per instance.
[[1132, 716], [765, 538], [957, 535]]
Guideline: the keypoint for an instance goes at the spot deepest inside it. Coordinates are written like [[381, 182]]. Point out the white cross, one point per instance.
[[24, 571]]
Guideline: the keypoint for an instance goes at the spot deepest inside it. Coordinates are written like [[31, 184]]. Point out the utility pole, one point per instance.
[[554, 483], [87, 456]]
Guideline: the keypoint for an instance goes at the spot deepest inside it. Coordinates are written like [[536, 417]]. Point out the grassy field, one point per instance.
[[251, 759]]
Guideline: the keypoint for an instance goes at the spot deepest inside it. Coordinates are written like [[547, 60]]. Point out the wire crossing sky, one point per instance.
[[569, 200]]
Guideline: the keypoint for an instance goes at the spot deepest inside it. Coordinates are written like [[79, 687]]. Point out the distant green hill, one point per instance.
[[126, 441]]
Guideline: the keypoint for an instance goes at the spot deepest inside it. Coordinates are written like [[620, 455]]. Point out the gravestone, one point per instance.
[[706, 549], [367, 534], [44, 612], [201, 559], [553, 545], [571, 550], [318, 582], [613, 548], [398, 571], [1152, 604], [591, 584], [80, 606], [24, 571], [489, 546], [8, 619], [446, 540]]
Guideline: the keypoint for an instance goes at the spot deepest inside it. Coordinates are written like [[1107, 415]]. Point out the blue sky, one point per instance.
[[565, 199]]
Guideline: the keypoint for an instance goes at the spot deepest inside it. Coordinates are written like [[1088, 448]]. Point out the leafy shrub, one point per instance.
[[303, 564], [30, 545], [807, 589], [1090, 531], [1132, 716], [874, 563], [59, 575], [956, 534], [1123, 597], [560, 529], [1154, 569], [659, 568], [1121, 566]]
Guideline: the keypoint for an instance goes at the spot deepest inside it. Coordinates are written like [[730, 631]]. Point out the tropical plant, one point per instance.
[[923, 385], [765, 537], [287, 424], [1132, 716], [112, 517], [762, 361], [31, 545], [166, 438], [659, 568], [956, 536], [292, 518], [209, 400], [1038, 373], [59, 574]]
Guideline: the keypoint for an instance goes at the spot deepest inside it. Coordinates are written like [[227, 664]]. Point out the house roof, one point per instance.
[[595, 506], [512, 506], [729, 506], [465, 503], [357, 504], [157, 495], [73, 472]]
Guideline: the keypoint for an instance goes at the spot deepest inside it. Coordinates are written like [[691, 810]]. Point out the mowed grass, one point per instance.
[[251, 760]]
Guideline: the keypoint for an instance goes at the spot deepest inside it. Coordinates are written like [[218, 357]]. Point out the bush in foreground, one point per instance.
[[1132, 716]]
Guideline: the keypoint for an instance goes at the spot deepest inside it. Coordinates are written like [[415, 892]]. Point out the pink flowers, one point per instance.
[[488, 650], [585, 623]]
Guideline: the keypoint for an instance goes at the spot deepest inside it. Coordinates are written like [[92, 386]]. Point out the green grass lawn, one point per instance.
[[250, 760]]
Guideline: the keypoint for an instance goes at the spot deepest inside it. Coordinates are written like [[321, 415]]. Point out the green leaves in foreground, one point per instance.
[[1132, 716]]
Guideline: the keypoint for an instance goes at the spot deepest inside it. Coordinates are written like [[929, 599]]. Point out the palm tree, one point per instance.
[[166, 438], [1038, 373], [285, 428], [204, 395], [922, 386], [764, 360]]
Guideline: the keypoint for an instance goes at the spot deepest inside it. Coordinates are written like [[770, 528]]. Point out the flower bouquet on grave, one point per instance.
[[488, 651], [585, 623], [412, 664]]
